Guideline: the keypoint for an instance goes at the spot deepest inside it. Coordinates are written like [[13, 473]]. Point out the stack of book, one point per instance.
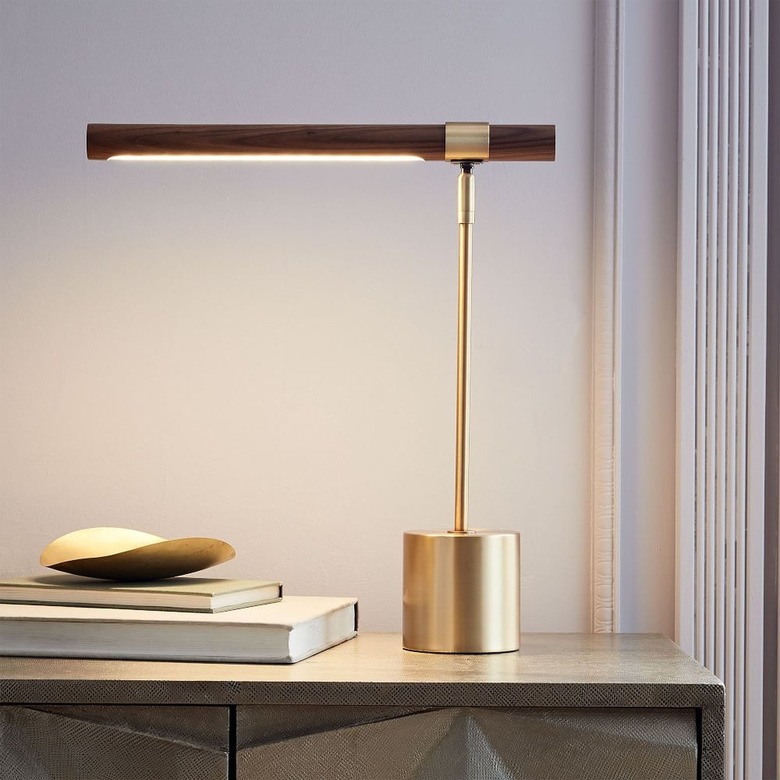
[[180, 619]]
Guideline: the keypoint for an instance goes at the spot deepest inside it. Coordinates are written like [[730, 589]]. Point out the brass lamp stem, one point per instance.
[[465, 225]]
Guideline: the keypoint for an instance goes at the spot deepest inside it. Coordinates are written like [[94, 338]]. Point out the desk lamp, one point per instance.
[[461, 591]]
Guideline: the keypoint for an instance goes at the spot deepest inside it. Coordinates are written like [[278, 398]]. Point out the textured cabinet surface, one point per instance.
[[400, 743], [565, 706], [98, 742]]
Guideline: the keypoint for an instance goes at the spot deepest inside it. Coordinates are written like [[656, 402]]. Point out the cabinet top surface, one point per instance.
[[373, 665]]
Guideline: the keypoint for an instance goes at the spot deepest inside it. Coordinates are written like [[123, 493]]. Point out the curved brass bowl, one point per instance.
[[126, 555]]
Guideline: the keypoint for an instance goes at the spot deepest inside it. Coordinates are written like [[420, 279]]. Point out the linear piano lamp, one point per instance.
[[461, 586]]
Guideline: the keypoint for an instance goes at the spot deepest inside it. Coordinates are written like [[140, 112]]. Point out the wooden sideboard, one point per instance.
[[564, 706]]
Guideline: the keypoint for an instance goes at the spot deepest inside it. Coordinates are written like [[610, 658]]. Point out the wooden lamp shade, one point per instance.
[[507, 142]]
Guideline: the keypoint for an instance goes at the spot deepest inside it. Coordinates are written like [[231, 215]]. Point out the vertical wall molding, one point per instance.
[[607, 262], [772, 466], [721, 357]]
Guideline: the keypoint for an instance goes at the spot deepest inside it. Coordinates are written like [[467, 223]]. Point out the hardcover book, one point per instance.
[[283, 632], [196, 594]]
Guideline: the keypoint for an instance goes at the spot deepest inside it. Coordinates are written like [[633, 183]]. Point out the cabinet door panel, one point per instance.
[[391, 743], [93, 742]]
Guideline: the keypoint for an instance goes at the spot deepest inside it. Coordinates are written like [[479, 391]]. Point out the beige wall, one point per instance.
[[266, 354]]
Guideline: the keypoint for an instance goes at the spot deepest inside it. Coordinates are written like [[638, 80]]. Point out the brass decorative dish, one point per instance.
[[126, 555]]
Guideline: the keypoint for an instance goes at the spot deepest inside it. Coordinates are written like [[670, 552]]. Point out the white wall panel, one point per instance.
[[648, 292], [722, 358]]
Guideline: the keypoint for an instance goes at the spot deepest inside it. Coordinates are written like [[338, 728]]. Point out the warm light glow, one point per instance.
[[269, 157]]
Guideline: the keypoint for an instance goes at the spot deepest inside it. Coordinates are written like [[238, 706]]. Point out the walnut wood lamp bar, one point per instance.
[[461, 586]]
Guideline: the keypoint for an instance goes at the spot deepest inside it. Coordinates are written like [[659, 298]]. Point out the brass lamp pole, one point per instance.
[[465, 223], [461, 586]]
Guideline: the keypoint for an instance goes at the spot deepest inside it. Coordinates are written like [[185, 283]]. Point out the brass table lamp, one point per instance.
[[461, 591]]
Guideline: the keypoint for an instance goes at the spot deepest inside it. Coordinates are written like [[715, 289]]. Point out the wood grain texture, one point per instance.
[[507, 142]]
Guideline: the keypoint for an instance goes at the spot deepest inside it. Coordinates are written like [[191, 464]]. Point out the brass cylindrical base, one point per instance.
[[461, 591]]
